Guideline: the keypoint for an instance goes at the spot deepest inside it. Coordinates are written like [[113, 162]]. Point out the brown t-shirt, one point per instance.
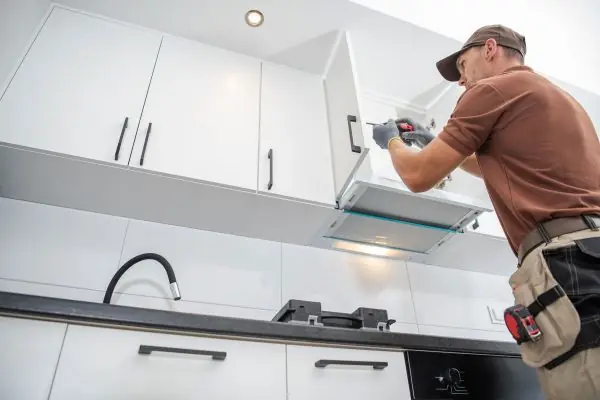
[[537, 149]]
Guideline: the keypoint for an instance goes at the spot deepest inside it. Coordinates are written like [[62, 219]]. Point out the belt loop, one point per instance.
[[589, 221], [543, 233]]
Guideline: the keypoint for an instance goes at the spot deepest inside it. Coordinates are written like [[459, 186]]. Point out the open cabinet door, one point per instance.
[[345, 124]]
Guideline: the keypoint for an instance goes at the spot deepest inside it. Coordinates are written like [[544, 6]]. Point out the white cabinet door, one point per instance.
[[106, 364], [343, 281], [200, 120], [80, 81], [345, 374], [295, 156], [210, 267], [345, 123], [29, 353]]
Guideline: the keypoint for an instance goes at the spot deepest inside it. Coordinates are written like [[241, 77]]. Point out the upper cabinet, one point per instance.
[[294, 155], [201, 116], [81, 88]]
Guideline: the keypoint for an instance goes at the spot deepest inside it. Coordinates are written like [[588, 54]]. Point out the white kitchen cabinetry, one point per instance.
[[345, 374], [99, 363], [200, 120], [81, 88], [294, 156], [342, 282], [210, 267], [345, 123], [29, 352]]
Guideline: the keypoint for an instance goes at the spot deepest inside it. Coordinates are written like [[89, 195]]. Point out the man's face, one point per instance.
[[473, 65]]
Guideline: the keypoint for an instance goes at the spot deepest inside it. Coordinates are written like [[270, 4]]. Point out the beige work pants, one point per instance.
[[579, 377]]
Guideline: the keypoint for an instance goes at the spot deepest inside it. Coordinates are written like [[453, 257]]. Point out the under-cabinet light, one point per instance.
[[379, 251], [254, 18]]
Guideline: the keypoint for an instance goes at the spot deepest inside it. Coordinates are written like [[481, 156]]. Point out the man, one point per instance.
[[539, 156]]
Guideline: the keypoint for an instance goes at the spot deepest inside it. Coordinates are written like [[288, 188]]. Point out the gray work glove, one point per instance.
[[420, 137], [382, 134]]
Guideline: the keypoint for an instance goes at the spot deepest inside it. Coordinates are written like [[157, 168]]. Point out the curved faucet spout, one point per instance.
[[146, 256]]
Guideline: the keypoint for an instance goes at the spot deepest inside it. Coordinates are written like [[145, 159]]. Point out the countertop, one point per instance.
[[89, 313]]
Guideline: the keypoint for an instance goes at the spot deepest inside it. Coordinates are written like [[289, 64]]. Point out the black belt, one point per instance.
[[548, 230]]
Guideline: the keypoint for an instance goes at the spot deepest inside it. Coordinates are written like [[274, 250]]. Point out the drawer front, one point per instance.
[[100, 363], [345, 374]]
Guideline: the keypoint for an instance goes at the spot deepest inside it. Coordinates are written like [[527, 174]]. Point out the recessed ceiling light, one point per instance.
[[254, 18]]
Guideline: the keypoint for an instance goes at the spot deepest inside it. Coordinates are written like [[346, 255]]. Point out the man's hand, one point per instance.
[[420, 136], [382, 134]]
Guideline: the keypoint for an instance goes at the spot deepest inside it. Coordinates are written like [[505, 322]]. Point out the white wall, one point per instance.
[[18, 22], [561, 35], [65, 253]]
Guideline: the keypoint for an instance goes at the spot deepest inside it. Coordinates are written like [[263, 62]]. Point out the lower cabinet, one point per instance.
[[29, 351], [112, 364], [319, 373]]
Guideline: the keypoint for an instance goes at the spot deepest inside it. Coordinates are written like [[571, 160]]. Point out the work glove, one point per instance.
[[419, 137], [382, 134]]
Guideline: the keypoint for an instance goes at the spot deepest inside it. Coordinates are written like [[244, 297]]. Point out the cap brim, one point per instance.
[[447, 67]]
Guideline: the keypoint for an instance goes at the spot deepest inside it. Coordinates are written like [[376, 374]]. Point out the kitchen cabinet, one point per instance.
[[110, 364], [29, 352], [210, 267], [342, 282], [294, 156], [319, 373], [201, 116], [343, 107], [81, 88]]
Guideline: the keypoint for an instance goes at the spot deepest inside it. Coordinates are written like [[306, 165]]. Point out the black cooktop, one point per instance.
[[311, 313]]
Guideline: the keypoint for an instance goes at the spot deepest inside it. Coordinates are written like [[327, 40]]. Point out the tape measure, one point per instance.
[[521, 324]]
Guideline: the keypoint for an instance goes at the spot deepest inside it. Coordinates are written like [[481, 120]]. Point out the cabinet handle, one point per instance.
[[125, 124], [216, 355], [353, 147], [270, 155], [145, 143], [375, 364]]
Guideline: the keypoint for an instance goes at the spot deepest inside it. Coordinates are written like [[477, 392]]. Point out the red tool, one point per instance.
[[521, 324], [404, 127]]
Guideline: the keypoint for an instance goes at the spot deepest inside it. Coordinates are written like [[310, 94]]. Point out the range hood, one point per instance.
[[375, 208]]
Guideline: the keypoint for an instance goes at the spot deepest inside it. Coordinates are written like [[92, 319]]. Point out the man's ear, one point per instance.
[[491, 48]]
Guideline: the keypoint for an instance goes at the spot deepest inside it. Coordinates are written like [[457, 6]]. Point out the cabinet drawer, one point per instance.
[[100, 363], [345, 374]]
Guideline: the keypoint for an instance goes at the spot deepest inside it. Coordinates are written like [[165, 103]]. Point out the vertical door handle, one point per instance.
[[147, 350], [270, 155], [145, 143], [353, 147], [125, 123]]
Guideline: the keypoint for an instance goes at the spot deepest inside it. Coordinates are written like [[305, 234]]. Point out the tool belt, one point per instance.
[[544, 321], [545, 231]]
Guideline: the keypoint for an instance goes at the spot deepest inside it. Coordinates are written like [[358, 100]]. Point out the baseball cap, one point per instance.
[[504, 37]]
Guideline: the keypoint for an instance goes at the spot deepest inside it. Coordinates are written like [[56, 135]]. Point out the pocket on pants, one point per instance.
[[558, 321]]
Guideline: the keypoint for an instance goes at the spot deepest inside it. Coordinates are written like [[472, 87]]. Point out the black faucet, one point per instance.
[[146, 256]]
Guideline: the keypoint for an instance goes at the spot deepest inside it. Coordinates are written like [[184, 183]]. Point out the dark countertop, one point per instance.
[[88, 313]]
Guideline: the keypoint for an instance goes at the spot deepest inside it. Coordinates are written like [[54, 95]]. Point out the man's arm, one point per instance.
[[471, 166], [421, 171]]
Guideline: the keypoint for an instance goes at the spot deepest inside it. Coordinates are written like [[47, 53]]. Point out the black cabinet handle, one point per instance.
[[374, 364], [353, 147], [125, 124], [216, 355], [145, 143], [270, 155]]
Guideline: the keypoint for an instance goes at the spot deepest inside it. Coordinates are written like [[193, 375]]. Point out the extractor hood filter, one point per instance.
[[381, 231]]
